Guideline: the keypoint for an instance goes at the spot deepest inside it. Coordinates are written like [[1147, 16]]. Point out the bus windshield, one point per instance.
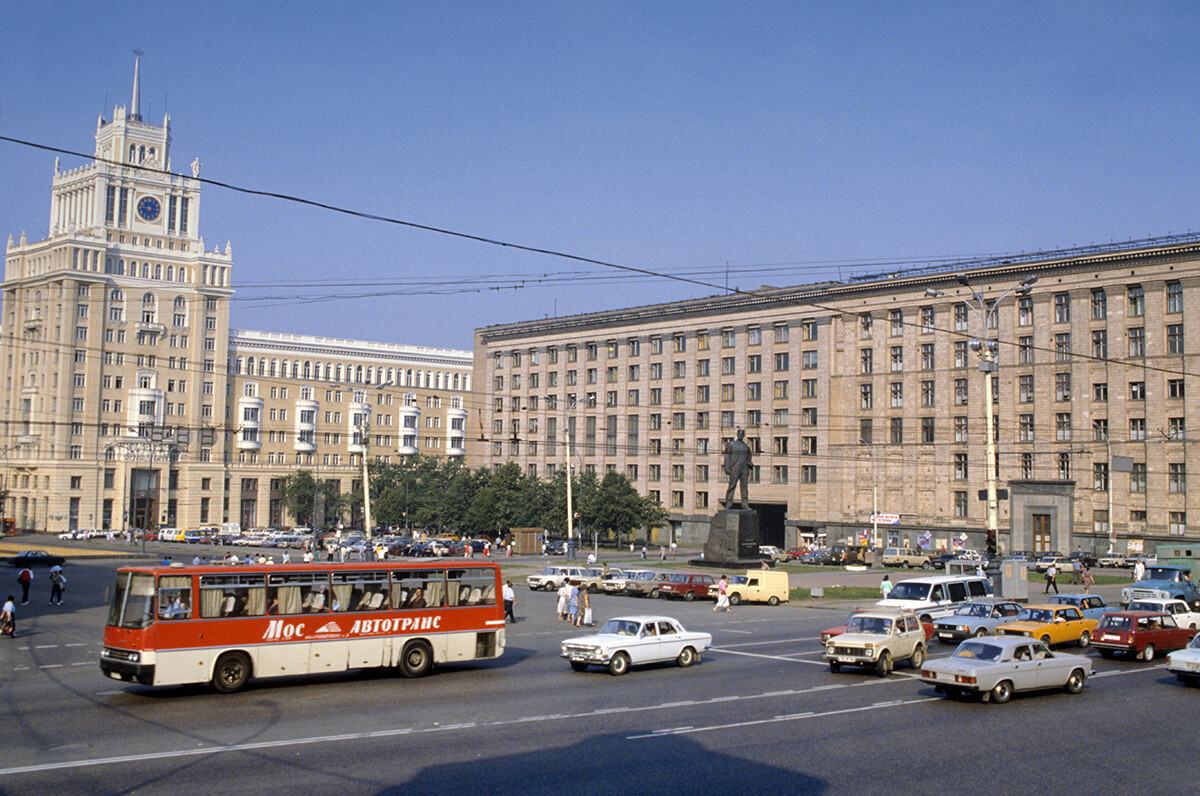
[[133, 601]]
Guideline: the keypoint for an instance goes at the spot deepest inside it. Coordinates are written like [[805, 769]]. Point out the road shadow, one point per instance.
[[611, 764]]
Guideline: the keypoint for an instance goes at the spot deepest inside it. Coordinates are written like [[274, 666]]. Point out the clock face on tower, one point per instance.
[[148, 208]]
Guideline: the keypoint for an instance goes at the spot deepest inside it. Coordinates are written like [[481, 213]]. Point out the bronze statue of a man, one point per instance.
[[737, 467]]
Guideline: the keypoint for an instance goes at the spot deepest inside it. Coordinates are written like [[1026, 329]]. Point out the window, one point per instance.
[[678, 371], [781, 331], [656, 371], [960, 504], [728, 366], [679, 341], [928, 394], [1177, 523], [754, 391], [1025, 350], [1100, 391], [897, 357], [1062, 347], [926, 320], [866, 396], [1025, 428], [1137, 301], [1137, 478], [1099, 304], [1062, 426], [808, 416], [728, 338], [896, 321], [897, 394], [781, 390], [1137, 342], [1175, 388], [927, 362], [1100, 430], [1100, 344], [960, 429], [780, 474], [808, 360], [928, 430], [727, 393], [753, 363], [1025, 389], [1174, 297], [1064, 466], [896, 430], [1177, 478], [1176, 428], [1137, 428], [1100, 476], [866, 431], [1062, 308], [961, 317], [865, 324], [808, 474], [960, 392], [1024, 311], [808, 446], [866, 358], [1027, 465], [1062, 386], [781, 361], [1137, 390], [960, 467], [1175, 338], [808, 388], [702, 367], [754, 336]]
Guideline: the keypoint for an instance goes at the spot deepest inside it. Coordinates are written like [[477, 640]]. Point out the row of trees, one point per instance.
[[424, 492]]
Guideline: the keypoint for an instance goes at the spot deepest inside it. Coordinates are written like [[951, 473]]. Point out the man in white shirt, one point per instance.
[[509, 598]]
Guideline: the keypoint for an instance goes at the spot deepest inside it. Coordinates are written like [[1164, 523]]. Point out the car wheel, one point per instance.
[[1106, 653], [926, 565], [1002, 692], [688, 596], [231, 673], [619, 664], [548, 586], [687, 657], [835, 667], [735, 598], [906, 565], [1085, 640], [416, 660], [593, 588], [917, 658], [579, 666], [981, 632], [1148, 653], [654, 594], [1046, 640], [772, 600], [1075, 682], [884, 664]]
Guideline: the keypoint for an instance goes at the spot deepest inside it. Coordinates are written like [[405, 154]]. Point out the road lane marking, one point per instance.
[[777, 719]]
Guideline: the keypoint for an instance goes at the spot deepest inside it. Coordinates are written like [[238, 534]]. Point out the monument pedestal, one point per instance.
[[733, 539]]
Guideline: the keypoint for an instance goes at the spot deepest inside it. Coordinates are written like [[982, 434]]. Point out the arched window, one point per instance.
[[237, 365], [249, 366], [183, 274], [358, 373], [170, 273], [158, 270], [145, 270], [149, 308], [132, 153], [271, 370]]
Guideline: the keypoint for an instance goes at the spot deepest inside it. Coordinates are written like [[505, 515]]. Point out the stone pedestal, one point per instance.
[[733, 538]]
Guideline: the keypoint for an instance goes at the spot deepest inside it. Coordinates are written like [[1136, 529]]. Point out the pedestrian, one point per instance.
[[662, 553], [1076, 571], [722, 595], [885, 587], [8, 618], [564, 594], [631, 548], [510, 597], [1087, 580], [585, 607], [1051, 579], [308, 556], [287, 557], [24, 579], [643, 552], [674, 549], [573, 609], [1139, 570], [58, 582]]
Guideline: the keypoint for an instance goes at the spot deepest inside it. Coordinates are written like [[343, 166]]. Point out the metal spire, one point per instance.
[[135, 106]]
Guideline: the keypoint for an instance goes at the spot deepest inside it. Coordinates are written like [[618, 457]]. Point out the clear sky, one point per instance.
[[737, 143]]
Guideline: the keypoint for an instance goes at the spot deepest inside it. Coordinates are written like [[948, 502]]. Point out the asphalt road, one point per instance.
[[761, 711]]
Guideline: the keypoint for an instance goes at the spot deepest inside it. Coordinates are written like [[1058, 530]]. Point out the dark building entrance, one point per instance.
[[771, 519]]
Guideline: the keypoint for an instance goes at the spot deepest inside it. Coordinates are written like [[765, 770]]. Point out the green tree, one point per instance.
[[299, 493]]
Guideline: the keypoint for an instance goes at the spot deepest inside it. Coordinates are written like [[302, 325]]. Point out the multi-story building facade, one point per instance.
[[128, 400], [867, 399]]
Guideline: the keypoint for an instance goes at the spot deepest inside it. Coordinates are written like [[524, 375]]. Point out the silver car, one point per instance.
[[998, 666], [631, 640]]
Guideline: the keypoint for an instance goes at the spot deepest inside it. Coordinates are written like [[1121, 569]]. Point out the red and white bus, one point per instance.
[[170, 625]]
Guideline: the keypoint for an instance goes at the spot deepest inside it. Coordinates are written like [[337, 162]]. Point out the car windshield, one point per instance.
[[739, 579], [907, 590], [874, 625], [620, 627], [975, 609], [1064, 599], [1161, 573], [977, 649], [1034, 615], [549, 571], [1195, 642], [1111, 622]]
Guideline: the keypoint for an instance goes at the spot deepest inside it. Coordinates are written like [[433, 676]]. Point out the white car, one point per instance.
[[1185, 663], [1183, 613], [626, 641]]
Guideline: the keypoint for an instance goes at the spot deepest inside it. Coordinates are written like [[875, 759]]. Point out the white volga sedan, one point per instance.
[[996, 666], [631, 640]]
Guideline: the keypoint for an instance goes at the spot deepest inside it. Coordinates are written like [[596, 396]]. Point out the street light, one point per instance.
[[567, 464], [987, 348], [364, 427]]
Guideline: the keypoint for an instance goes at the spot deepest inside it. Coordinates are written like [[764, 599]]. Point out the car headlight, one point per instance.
[[963, 629]]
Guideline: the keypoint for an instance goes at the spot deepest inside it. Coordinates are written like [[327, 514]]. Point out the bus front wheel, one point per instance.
[[416, 660], [231, 673]]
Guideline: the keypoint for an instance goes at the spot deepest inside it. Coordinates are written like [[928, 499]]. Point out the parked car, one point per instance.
[[1091, 606], [905, 557], [36, 558], [769, 587], [999, 666], [1140, 634], [935, 596], [1080, 557], [1165, 582], [1110, 562], [614, 581], [771, 553], [876, 639], [552, 577], [975, 618], [793, 553], [1051, 624], [1061, 563], [646, 583], [819, 557], [635, 640], [1183, 613], [1185, 663], [689, 586]]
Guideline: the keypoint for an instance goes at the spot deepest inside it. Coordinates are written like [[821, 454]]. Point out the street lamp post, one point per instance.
[[364, 428], [987, 348]]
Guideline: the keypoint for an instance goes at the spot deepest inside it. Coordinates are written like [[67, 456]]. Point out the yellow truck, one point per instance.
[[759, 586]]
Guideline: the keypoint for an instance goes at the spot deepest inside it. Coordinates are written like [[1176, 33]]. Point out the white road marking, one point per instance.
[[777, 719]]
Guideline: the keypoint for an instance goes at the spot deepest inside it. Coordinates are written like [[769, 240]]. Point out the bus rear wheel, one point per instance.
[[416, 660], [231, 673]]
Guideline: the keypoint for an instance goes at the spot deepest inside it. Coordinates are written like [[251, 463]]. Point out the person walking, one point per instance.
[[885, 587], [722, 595], [510, 597], [585, 607], [8, 618], [564, 594], [1139, 570], [1087, 580], [24, 579], [58, 582], [573, 614], [1051, 579]]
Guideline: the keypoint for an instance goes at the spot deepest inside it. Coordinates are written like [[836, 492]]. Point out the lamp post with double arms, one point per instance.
[[987, 347]]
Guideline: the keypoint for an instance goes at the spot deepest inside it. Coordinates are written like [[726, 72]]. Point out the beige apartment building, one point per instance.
[[128, 400], [865, 402]]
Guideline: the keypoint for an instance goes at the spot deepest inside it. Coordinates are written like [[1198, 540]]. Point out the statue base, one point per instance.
[[733, 539]]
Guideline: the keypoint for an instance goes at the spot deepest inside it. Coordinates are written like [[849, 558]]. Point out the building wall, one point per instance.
[[675, 381]]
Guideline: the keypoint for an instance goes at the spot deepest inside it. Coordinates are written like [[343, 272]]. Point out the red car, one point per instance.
[[689, 586], [840, 629], [1141, 634]]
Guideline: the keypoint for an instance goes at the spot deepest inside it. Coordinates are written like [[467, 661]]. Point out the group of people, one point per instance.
[[574, 605], [8, 614]]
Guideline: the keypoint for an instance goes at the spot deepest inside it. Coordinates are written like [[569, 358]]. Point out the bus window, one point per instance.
[[417, 589], [133, 601], [360, 591], [297, 593], [232, 595], [174, 596], [471, 587]]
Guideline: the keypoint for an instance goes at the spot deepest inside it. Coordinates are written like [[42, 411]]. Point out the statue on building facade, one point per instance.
[[737, 467]]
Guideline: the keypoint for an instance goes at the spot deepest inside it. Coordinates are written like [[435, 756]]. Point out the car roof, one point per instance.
[[1050, 606], [1003, 641], [939, 578], [1137, 614], [644, 618], [890, 613]]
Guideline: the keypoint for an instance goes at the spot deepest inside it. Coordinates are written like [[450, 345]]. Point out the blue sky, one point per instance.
[[736, 143]]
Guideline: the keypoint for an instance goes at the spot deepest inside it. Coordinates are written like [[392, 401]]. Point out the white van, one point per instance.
[[936, 596]]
